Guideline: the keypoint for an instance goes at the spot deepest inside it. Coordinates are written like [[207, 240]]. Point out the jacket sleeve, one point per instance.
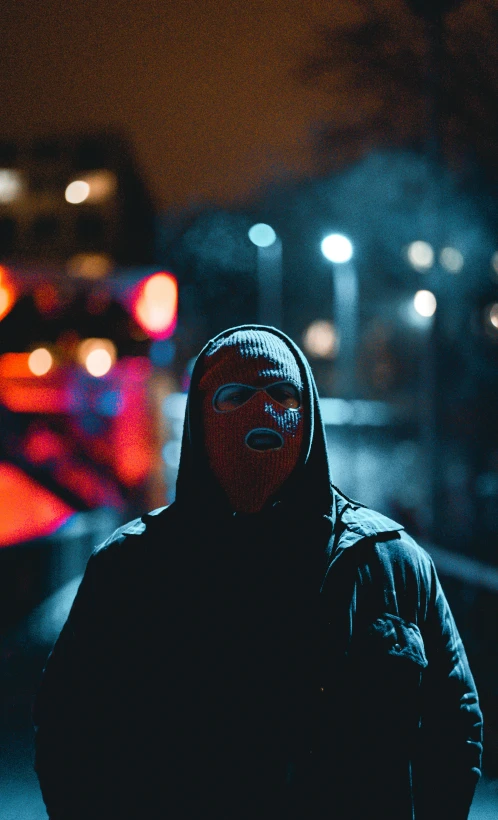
[[449, 764], [66, 745]]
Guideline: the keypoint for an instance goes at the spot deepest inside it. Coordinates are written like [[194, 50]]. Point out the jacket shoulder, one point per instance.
[[404, 555], [144, 526]]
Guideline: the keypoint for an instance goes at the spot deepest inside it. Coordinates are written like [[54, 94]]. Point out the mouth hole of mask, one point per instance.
[[264, 440]]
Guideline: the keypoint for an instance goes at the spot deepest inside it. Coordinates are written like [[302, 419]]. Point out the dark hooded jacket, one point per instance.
[[299, 663]]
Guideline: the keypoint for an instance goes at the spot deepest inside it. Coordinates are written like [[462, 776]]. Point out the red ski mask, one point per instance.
[[252, 414]]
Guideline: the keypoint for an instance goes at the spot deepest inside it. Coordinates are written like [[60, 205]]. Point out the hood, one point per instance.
[[309, 485]]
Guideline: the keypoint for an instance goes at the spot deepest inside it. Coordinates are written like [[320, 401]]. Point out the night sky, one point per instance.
[[207, 90]]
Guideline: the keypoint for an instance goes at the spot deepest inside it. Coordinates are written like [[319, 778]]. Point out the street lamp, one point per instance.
[[269, 273], [425, 303], [262, 235], [338, 249]]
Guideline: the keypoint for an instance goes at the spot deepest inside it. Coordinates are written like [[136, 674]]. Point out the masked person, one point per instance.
[[264, 647]]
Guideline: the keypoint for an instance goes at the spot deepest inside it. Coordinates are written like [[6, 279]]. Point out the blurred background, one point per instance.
[[168, 170]]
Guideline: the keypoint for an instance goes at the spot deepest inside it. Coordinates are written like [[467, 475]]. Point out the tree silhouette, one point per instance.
[[403, 79]]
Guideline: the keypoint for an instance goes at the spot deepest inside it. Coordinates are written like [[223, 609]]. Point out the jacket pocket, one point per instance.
[[394, 637], [385, 669]]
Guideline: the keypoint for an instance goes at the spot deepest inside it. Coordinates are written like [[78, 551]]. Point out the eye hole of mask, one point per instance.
[[230, 396], [286, 394]]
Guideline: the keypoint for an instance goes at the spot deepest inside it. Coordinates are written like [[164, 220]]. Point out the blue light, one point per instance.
[[162, 352], [262, 235], [337, 248], [110, 403], [91, 424]]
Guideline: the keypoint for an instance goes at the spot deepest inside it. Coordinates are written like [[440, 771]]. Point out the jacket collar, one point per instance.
[[359, 521], [351, 523]]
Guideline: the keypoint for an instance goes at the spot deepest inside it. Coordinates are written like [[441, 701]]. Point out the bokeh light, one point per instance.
[[98, 362], [451, 259], [77, 191], [493, 315], [11, 185], [156, 304], [425, 303], [40, 361], [90, 265], [97, 356], [494, 262], [101, 185], [491, 320], [420, 255], [320, 339], [262, 235], [337, 248], [7, 293]]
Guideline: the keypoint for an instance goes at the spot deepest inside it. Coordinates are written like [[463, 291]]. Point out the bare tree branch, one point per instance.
[[377, 66]]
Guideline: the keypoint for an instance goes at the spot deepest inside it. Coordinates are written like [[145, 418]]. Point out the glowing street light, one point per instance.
[[97, 186], [77, 191], [425, 303], [420, 255], [262, 235], [491, 320], [493, 315], [337, 248], [11, 185], [40, 361], [97, 356]]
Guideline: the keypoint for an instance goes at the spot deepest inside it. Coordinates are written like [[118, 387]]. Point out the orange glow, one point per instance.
[[156, 305], [40, 361], [15, 366], [102, 185], [23, 392], [27, 510], [32, 398], [7, 293], [90, 265]]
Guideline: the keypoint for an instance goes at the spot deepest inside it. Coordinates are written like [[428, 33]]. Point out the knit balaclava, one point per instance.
[[254, 445]]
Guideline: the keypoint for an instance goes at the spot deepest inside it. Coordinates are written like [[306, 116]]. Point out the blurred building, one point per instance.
[[76, 201]]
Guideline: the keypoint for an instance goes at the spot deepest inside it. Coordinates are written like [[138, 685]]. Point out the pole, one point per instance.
[[345, 313], [270, 284]]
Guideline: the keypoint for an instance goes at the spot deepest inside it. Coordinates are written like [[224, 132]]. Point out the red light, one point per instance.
[[44, 445], [27, 509], [7, 293], [155, 304]]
